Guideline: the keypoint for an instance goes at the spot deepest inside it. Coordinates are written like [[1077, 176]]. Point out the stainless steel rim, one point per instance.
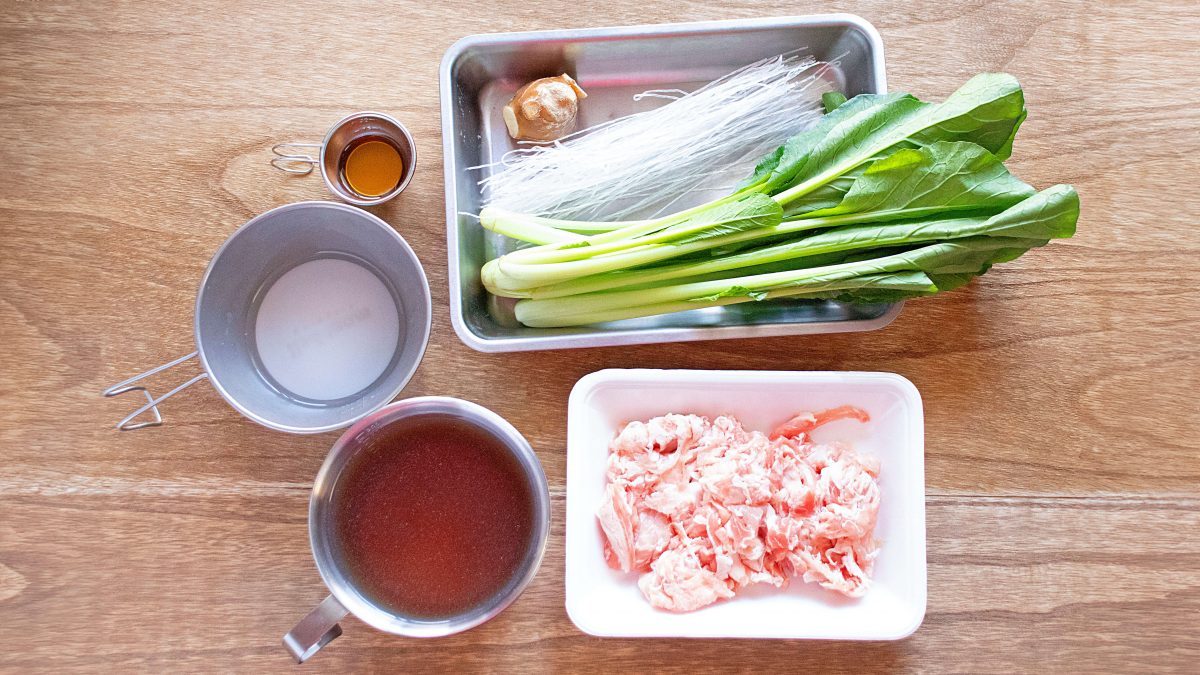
[[350, 197], [585, 337]]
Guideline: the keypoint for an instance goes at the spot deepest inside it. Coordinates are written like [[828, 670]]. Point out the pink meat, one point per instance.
[[678, 581], [805, 422], [703, 508], [618, 523]]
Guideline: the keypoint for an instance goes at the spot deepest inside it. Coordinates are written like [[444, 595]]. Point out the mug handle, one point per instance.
[[316, 630]]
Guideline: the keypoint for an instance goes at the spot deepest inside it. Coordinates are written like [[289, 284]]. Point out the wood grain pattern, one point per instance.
[[1063, 458]]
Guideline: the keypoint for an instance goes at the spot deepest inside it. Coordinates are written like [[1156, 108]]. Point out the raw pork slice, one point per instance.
[[703, 508]]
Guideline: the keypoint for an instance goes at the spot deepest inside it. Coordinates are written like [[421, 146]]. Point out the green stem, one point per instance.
[[527, 229], [537, 316], [515, 274], [594, 303], [638, 232], [684, 270], [797, 191]]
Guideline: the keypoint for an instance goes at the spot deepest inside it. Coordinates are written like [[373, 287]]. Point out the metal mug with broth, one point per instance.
[[365, 159], [428, 518]]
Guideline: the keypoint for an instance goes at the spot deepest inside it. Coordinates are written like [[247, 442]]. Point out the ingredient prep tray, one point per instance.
[[481, 72], [605, 602]]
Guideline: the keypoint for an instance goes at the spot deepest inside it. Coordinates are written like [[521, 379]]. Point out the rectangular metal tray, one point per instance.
[[480, 73]]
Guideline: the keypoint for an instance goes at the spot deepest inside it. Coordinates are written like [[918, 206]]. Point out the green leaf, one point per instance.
[[832, 99], [863, 112], [826, 196], [754, 210], [967, 256], [972, 255], [1049, 214], [762, 170], [941, 178], [880, 296], [898, 282], [951, 281], [731, 292], [987, 110], [942, 281]]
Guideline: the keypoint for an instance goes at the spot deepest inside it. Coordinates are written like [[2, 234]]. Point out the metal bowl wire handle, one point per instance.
[[152, 404], [289, 155]]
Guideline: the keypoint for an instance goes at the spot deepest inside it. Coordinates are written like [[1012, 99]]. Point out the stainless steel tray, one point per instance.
[[480, 73]]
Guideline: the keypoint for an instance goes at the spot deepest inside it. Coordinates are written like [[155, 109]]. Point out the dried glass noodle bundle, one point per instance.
[[646, 164]]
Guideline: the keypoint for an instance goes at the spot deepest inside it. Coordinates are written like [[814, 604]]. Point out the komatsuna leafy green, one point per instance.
[[941, 181], [886, 197], [950, 248], [910, 284]]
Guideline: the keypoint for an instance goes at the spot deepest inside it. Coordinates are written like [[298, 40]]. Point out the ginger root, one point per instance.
[[544, 109]]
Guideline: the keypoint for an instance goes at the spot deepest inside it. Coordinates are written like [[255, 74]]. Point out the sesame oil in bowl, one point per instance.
[[371, 166]]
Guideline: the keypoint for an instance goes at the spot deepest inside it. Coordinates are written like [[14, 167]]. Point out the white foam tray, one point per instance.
[[607, 603]]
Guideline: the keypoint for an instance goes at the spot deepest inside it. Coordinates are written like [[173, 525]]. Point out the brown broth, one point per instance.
[[433, 518]]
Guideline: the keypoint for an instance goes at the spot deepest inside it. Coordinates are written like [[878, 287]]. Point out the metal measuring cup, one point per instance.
[[298, 159], [320, 626], [253, 257]]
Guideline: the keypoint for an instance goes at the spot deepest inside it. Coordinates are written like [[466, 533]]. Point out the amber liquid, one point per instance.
[[371, 166], [433, 518]]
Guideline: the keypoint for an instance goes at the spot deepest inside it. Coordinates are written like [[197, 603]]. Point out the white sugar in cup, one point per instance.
[[326, 329]]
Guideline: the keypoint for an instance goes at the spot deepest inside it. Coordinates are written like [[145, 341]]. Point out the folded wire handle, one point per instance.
[[292, 158], [152, 403]]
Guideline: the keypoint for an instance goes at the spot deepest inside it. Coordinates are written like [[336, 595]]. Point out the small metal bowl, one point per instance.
[[294, 157], [253, 257]]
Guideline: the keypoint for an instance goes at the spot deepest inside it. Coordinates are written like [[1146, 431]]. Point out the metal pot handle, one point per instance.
[[316, 630], [127, 386], [292, 158]]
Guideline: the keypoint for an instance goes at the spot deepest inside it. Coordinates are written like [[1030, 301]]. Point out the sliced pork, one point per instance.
[[703, 508]]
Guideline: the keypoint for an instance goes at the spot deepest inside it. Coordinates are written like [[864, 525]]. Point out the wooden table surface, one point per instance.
[[1062, 456]]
